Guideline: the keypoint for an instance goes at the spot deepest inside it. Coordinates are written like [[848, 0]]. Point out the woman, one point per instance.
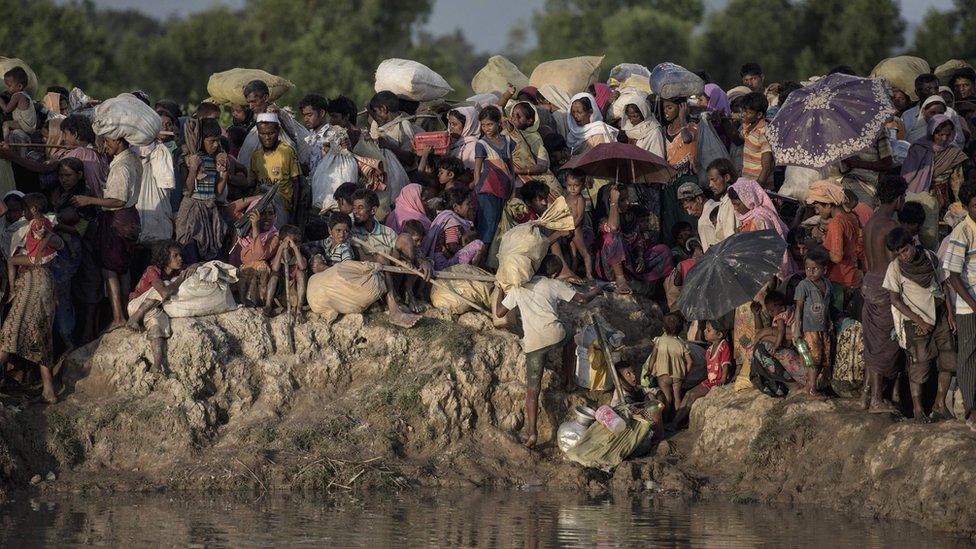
[[465, 130], [586, 127], [409, 205], [719, 113], [443, 239], [623, 248], [754, 211], [935, 164], [640, 128], [681, 136], [530, 158], [255, 252]]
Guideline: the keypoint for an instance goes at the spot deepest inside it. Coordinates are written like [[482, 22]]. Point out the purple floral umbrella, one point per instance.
[[832, 119]]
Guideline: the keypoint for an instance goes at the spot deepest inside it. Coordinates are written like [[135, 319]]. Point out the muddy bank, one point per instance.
[[364, 405]]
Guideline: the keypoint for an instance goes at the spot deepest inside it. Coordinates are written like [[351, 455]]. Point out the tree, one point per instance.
[[646, 36], [945, 35], [834, 33]]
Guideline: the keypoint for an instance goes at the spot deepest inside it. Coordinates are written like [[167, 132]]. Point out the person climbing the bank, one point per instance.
[[537, 302]]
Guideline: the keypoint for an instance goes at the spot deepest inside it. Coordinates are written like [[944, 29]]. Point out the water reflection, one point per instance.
[[439, 519]]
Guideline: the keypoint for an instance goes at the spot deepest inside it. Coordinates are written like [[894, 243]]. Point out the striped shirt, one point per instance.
[[960, 258], [206, 186], [755, 146]]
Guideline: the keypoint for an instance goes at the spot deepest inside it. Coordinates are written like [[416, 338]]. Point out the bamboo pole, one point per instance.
[[443, 275], [38, 146]]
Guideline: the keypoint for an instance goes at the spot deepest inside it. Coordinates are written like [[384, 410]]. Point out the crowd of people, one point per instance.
[[97, 234]]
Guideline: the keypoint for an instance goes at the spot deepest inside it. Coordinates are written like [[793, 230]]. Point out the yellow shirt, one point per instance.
[[281, 164]]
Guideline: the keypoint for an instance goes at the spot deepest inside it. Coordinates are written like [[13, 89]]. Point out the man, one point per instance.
[[927, 85], [960, 263], [757, 153], [752, 77], [693, 201], [370, 237], [342, 113], [881, 353], [963, 84], [721, 175], [274, 162], [537, 301], [392, 128], [923, 321], [861, 172], [258, 97]]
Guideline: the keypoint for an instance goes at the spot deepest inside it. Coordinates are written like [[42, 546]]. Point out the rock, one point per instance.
[[51, 477], [36, 479]]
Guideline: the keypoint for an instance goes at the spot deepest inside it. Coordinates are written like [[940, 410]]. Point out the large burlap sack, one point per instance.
[[7, 63], [228, 87], [623, 71], [410, 79], [349, 287], [126, 117], [206, 292], [572, 75], [669, 81], [495, 76], [901, 72], [946, 70], [522, 248], [478, 292]]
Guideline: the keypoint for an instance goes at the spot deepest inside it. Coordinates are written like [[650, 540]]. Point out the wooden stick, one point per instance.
[[38, 146], [444, 275], [608, 358], [412, 270]]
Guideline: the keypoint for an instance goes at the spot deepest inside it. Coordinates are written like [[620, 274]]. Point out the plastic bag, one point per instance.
[[228, 87], [568, 435], [495, 76], [336, 167], [206, 292], [478, 292], [349, 287], [797, 181], [410, 79], [7, 63], [396, 176], [623, 71], [901, 72], [126, 117], [710, 148], [669, 81], [572, 75], [153, 204]]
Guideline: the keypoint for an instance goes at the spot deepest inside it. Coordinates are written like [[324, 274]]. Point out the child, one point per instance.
[[681, 232], [28, 326], [63, 268], [335, 248], [288, 259], [20, 106], [537, 302], [633, 391], [449, 173], [318, 263], [813, 314], [444, 239], [256, 249], [775, 337], [693, 249], [200, 227], [160, 281], [670, 360], [757, 154], [718, 363], [583, 233], [924, 323], [493, 168], [535, 194], [407, 248]]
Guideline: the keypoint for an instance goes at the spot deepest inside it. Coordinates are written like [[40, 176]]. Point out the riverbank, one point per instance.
[[364, 405]]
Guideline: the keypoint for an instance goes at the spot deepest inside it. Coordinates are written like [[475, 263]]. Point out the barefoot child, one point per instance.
[[20, 106], [670, 360], [160, 281], [583, 234], [289, 265], [813, 314], [256, 251], [407, 248], [537, 302], [718, 363], [27, 328]]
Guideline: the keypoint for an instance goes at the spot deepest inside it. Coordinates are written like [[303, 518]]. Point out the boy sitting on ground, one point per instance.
[[537, 301], [288, 264], [335, 248], [160, 281]]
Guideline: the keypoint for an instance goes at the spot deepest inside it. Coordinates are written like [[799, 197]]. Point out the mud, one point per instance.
[[363, 405]]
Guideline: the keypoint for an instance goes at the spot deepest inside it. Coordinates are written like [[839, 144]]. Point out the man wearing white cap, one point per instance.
[[275, 162], [258, 97]]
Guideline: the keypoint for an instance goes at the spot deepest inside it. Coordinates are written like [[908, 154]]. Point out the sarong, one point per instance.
[[116, 236], [880, 349]]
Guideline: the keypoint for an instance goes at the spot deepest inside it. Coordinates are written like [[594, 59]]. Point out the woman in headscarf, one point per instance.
[[639, 126], [586, 126], [409, 205], [754, 211], [930, 107], [465, 130], [935, 164], [443, 238], [623, 248], [530, 159], [719, 113]]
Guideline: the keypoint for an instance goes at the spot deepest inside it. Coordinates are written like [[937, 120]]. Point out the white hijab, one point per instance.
[[648, 133], [597, 127]]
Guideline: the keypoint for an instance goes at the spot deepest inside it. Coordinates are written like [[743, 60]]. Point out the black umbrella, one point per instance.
[[730, 274]]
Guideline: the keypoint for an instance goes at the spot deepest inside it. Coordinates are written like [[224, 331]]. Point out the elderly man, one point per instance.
[[706, 210]]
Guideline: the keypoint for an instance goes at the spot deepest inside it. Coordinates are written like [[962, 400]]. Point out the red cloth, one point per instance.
[[32, 243], [714, 362], [151, 275], [863, 213], [842, 238], [686, 266]]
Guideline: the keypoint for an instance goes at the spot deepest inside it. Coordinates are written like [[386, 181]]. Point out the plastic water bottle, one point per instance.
[[804, 350], [610, 419]]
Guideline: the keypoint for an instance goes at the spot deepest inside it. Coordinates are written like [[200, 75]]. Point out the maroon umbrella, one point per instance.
[[622, 162]]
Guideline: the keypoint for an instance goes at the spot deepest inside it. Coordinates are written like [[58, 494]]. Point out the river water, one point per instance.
[[524, 519]]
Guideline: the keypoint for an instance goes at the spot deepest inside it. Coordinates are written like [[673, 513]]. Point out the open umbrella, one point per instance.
[[730, 274], [832, 119], [622, 162]]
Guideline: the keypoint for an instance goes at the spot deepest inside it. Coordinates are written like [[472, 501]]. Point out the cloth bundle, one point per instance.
[[522, 249], [126, 117], [206, 292], [349, 287]]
